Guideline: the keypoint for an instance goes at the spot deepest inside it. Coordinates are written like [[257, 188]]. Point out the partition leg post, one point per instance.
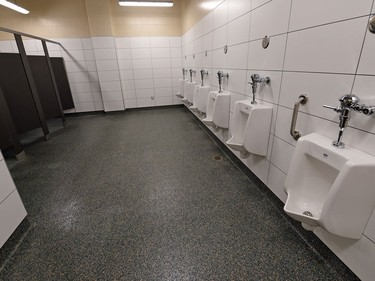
[[30, 79], [53, 77]]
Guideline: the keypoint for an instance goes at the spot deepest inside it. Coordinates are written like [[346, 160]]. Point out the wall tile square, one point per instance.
[[106, 76], [271, 58], [105, 54], [239, 30], [219, 37], [237, 56], [107, 65], [220, 15], [160, 101], [139, 42], [159, 42], [237, 8], [103, 42], [270, 19], [145, 93], [122, 43], [112, 96], [87, 43], [163, 83], [144, 53], [367, 60], [160, 53], [161, 63], [129, 94], [124, 54], [326, 48], [162, 73], [144, 83], [164, 92], [125, 64], [307, 14], [175, 42], [143, 74], [141, 63]]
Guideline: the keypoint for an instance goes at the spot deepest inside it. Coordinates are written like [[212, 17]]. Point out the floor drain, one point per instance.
[[307, 213], [217, 158]]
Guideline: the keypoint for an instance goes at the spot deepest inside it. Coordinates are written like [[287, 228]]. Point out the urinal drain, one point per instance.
[[307, 213]]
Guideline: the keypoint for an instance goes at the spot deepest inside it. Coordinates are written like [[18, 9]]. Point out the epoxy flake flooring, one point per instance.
[[140, 196]]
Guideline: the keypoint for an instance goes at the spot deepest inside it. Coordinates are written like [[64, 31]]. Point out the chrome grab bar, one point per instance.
[[302, 99]]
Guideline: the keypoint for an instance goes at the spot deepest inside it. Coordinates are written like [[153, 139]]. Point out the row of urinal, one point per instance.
[[251, 121], [213, 106], [329, 185]]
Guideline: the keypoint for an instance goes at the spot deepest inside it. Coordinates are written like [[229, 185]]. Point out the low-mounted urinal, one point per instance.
[[181, 87], [195, 95], [181, 84], [189, 89], [200, 98], [251, 128], [189, 92], [330, 187], [217, 110]]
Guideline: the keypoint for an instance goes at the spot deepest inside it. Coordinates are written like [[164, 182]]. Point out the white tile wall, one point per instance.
[[315, 48]]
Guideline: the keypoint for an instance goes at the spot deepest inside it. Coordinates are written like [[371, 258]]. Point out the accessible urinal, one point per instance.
[[217, 110], [200, 94], [330, 187], [251, 128]]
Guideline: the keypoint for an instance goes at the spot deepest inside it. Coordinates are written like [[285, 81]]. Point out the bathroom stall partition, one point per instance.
[[34, 89]]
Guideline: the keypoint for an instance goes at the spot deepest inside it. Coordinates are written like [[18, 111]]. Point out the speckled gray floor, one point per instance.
[[139, 196]]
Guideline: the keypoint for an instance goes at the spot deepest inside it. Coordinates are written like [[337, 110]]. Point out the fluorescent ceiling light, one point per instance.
[[146, 3], [14, 7]]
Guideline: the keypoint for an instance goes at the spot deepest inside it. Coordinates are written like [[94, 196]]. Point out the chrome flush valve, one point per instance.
[[220, 76], [203, 72], [255, 79], [347, 103], [183, 73], [191, 74]]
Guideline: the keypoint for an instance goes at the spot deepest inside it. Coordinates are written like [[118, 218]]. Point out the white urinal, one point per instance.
[[189, 92], [330, 187], [195, 97], [251, 128], [217, 110], [198, 92], [202, 99], [181, 87]]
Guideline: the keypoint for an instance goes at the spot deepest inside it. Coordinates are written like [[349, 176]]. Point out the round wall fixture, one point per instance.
[[265, 42], [371, 24]]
